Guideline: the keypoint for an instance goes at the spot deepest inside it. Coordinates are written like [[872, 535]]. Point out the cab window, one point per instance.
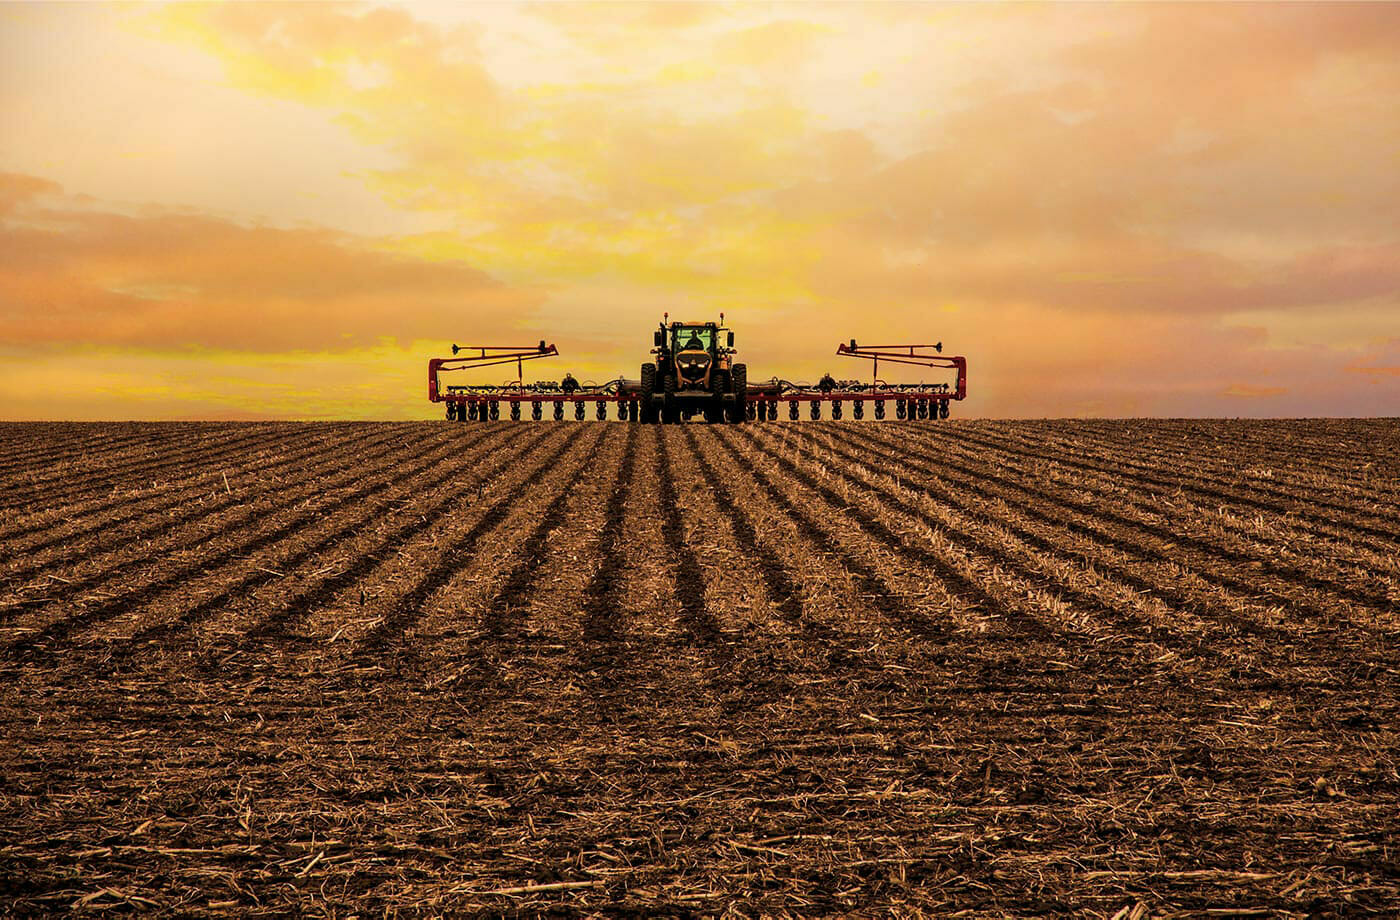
[[687, 336]]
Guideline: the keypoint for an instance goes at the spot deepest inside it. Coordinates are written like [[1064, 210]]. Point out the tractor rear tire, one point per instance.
[[648, 390], [739, 386]]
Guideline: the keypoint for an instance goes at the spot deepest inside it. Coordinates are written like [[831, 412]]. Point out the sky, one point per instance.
[[251, 211]]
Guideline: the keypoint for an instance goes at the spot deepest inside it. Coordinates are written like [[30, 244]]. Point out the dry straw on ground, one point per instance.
[[1112, 669]]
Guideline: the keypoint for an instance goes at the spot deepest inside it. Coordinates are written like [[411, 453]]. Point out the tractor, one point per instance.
[[694, 374]]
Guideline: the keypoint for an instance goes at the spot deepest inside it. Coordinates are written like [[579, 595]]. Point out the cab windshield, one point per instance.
[[692, 337]]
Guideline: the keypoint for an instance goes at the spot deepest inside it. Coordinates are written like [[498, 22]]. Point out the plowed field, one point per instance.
[[1002, 668]]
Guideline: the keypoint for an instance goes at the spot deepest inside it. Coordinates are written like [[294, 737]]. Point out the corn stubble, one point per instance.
[[1121, 669]]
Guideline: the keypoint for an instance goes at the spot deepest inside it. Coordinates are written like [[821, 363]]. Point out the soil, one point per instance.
[[1105, 668]]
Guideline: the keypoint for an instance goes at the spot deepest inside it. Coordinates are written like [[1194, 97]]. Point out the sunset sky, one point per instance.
[[282, 211]]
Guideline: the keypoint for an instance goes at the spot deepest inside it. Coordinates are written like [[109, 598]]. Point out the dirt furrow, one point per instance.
[[789, 637], [48, 639], [967, 602], [1383, 538], [501, 615], [90, 478], [786, 554], [954, 558], [647, 632], [1277, 533], [27, 477], [1273, 646], [46, 520], [1130, 650], [1242, 471], [90, 567], [295, 598], [509, 621], [232, 622], [1352, 487], [1207, 550], [553, 480], [1341, 448], [689, 585], [996, 536], [36, 448], [81, 532], [28, 455], [602, 607], [1168, 438], [409, 581], [1108, 508]]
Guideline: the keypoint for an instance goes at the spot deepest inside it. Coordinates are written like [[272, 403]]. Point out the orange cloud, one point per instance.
[[75, 274], [1379, 363]]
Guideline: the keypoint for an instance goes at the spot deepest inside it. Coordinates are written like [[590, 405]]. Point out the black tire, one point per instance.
[[670, 412], [648, 413], [739, 386], [719, 385]]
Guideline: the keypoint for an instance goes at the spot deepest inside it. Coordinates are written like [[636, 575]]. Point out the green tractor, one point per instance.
[[694, 374]]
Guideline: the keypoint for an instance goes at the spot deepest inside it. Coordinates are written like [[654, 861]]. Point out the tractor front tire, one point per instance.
[[719, 386]]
